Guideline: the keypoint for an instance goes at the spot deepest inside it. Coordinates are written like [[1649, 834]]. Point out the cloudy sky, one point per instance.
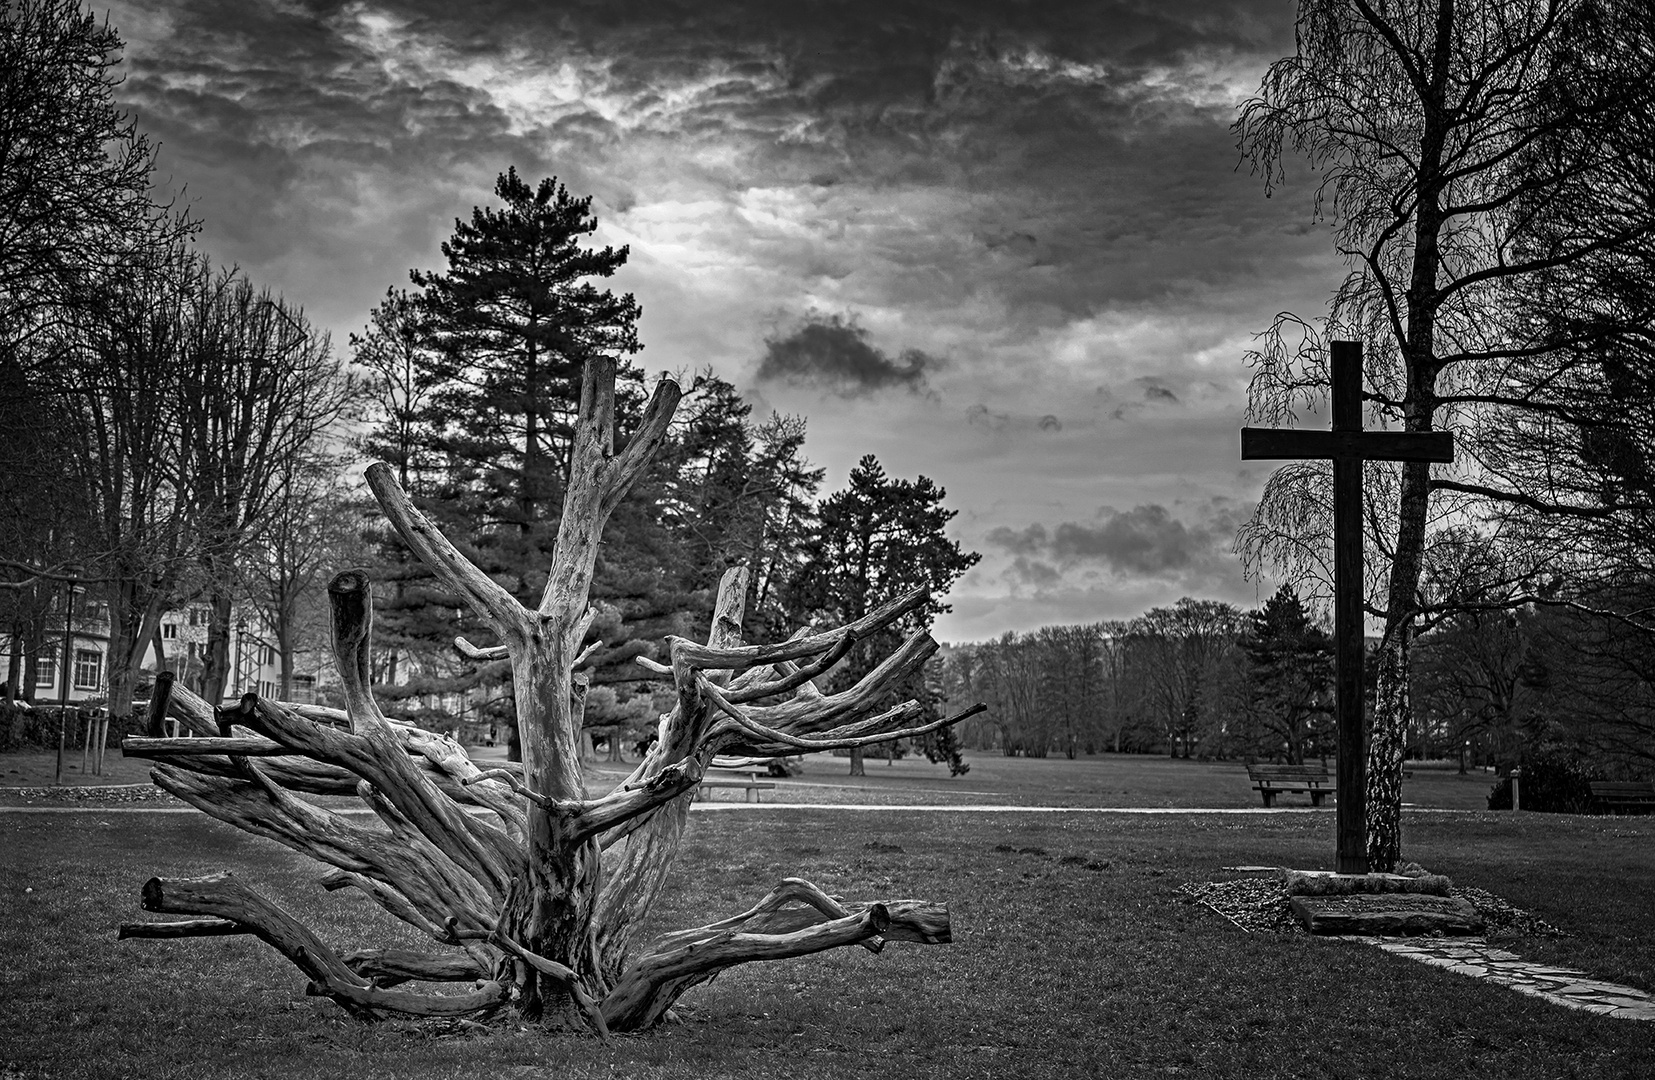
[[1003, 244]]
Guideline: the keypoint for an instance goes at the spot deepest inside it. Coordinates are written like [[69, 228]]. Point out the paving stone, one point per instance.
[[1386, 914], [1561, 986]]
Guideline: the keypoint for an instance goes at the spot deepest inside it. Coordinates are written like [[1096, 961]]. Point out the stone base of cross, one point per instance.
[[1348, 446]]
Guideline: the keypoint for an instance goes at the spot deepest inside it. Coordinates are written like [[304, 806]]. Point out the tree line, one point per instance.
[[158, 411], [1197, 678], [1491, 685]]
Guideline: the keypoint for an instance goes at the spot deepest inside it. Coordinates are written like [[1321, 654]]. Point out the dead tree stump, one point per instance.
[[533, 902]]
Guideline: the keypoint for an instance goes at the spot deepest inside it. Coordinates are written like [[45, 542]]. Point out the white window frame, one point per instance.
[[95, 663]]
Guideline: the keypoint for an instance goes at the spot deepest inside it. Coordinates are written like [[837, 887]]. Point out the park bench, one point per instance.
[[752, 780], [1623, 796], [1272, 780]]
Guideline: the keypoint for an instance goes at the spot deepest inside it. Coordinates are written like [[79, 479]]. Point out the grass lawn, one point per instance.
[[1073, 956], [1135, 780], [38, 768], [1121, 780]]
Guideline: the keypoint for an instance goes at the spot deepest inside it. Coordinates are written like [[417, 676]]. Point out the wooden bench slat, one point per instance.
[[1615, 795], [748, 779], [1271, 780]]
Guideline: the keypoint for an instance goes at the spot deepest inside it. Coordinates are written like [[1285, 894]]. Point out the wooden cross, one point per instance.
[[1349, 446]]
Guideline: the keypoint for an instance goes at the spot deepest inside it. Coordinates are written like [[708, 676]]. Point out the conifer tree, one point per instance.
[[479, 372], [1289, 673], [512, 320], [878, 535]]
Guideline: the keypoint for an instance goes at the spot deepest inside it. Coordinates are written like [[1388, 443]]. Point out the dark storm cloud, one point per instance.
[[284, 117], [1147, 541], [1032, 572], [981, 416], [1156, 390], [1024, 542], [1143, 540], [835, 355]]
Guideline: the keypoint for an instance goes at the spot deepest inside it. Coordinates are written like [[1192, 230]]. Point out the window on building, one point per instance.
[[198, 617], [45, 672], [267, 690], [88, 669], [267, 655], [169, 631]]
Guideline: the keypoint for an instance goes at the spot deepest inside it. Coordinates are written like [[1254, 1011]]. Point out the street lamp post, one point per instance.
[[63, 693]]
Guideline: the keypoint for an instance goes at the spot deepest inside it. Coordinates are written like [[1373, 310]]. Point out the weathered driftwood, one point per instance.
[[529, 889]]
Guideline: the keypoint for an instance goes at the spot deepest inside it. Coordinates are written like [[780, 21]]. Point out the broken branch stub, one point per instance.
[[537, 904]]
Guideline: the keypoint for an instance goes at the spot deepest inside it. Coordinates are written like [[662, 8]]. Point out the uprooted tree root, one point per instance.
[[529, 891]]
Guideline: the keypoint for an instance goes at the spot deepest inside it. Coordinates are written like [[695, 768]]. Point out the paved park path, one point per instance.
[[952, 808]]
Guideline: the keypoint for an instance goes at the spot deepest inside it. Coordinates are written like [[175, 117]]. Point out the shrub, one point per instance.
[[1555, 780], [36, 728]]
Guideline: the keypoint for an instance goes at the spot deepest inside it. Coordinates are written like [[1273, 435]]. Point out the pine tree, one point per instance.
[[1289, 674], [479, 377], [512, 321], [880, 536]]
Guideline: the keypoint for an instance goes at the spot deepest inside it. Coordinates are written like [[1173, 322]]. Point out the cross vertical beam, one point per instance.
[[1350, 715], [1348, 446]]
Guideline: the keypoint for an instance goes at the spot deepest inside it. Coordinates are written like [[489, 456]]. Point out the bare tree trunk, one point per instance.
[[1391, 712], [215, 662], [14, 668], [856, 768], [134, 619], [284, 656]]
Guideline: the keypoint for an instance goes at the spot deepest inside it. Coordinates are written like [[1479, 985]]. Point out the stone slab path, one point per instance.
[[1561, 986]]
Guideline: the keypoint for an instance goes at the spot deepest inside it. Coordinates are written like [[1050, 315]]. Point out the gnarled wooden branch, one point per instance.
[[388, 967], [433, 885], [181, 929], [481, 849], [474, 652], [166, 748], [650, 987], [492, 603], [160, 696], [387, 897], [223, 897]]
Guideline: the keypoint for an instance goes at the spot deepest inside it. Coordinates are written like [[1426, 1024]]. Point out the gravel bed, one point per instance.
[[1259, 905], [101, 795]]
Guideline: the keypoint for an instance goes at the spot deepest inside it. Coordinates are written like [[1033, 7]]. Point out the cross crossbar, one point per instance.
[[1263, 443]]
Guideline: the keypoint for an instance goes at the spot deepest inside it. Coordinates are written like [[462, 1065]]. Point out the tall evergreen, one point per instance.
[[478, 372], [1289, 676], [879, 537], [511, 322]]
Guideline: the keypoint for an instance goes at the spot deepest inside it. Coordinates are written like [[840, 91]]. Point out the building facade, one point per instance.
[[181, 648]]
